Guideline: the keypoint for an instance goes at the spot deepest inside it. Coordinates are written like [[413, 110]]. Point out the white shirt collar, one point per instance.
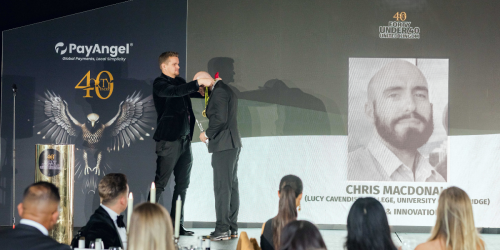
[[111, 213], [35, 225], [387, 159], [122, 232], [213, 86], [390, 162]]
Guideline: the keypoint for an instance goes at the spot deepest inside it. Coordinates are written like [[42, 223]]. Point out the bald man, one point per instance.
[[398, 106], [39, 213], [225, 144]]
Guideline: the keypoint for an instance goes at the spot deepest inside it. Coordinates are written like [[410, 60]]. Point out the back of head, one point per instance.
[[290, 189], [111, 187], [367, 226], [455, 221], [301, 235], [41, 192], [202, 74], [150, 228], [40, 203]]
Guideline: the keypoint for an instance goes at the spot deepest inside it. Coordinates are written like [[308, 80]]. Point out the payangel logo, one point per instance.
[[94, 52]]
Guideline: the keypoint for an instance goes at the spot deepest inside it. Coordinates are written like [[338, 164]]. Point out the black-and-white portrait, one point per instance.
[[398, 119]]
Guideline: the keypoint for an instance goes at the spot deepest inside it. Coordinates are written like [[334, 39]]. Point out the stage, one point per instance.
[[313, 82], [334, 239]]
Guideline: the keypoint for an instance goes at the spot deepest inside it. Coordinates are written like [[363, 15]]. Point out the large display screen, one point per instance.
[[391, 99]]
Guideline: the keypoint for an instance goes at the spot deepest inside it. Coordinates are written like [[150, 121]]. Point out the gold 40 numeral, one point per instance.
[[400, 16], [107, 84]]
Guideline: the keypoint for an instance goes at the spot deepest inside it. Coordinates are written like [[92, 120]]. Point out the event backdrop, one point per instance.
[[86, 79], [302, 71]]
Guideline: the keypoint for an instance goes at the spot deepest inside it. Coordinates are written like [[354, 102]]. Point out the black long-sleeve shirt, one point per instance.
[[173, 106]]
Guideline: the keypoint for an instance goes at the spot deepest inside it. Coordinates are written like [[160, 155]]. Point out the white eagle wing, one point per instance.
[[132, 121], [59, 125]]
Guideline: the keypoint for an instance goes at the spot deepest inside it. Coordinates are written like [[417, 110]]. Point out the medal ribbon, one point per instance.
[[207, 97]]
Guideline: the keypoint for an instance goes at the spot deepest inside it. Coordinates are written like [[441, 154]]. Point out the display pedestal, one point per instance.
[[56, 164]]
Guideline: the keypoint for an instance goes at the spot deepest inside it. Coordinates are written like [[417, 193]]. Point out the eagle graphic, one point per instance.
[[126, 127]]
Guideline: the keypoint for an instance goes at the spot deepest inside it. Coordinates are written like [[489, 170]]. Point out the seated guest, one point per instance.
[[290, 194], [39, 213], [454, 227], [106, 222], [301, 235], [150, 228], [367, 226]]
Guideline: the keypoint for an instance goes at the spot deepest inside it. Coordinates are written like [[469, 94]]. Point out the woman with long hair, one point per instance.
[[301, 235], [454, 228], [290, 194], [367, 226], [150, 228]]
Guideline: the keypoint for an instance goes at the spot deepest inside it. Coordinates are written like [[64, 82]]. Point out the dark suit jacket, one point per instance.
[[100, 225], [173, 106], [28, 238], [222, 111]]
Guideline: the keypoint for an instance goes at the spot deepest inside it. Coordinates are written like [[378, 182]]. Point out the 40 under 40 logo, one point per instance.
[[102, 83], [399, 29]]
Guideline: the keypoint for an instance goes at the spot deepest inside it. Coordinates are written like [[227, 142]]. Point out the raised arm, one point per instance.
[[166, 89]]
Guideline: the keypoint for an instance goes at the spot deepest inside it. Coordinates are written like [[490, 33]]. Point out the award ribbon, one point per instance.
[[204, 112]]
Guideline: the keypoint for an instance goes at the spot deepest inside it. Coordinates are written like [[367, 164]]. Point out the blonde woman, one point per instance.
[[454, 229], [150, 228]]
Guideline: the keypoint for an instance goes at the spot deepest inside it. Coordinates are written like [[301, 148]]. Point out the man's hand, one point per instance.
[[205, 82], [201, 91], [203, 138]]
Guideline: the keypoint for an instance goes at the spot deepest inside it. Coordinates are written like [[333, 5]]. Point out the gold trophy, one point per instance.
[[56, 164]]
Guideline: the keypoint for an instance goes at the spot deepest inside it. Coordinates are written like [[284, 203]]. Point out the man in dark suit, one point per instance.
[[106, 222], [39, 213], [174, 130], [224, 141]]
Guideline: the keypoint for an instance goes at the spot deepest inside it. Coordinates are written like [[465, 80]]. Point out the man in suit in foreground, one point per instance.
[[106, 222], [39, 213], [225, 144]]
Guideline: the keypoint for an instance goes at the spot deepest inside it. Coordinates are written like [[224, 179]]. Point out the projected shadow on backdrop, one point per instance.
[[297, 112], [100, 132]]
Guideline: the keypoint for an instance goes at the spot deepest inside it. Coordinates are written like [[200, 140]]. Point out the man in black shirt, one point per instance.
[[174, 129]]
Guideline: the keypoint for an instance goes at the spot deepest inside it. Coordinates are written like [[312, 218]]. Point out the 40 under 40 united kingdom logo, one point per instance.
[[400, 28], [95, 52]]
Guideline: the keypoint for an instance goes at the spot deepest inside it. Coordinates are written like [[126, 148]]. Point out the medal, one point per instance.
[[204, 113]]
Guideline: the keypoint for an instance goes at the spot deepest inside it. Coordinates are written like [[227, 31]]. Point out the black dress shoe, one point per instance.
[[183, 231], [220, 236], [234, 233]]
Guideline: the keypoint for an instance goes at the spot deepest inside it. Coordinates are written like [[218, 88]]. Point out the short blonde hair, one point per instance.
[[150, 228], [165, 56], [455, 221], [111, 186]]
